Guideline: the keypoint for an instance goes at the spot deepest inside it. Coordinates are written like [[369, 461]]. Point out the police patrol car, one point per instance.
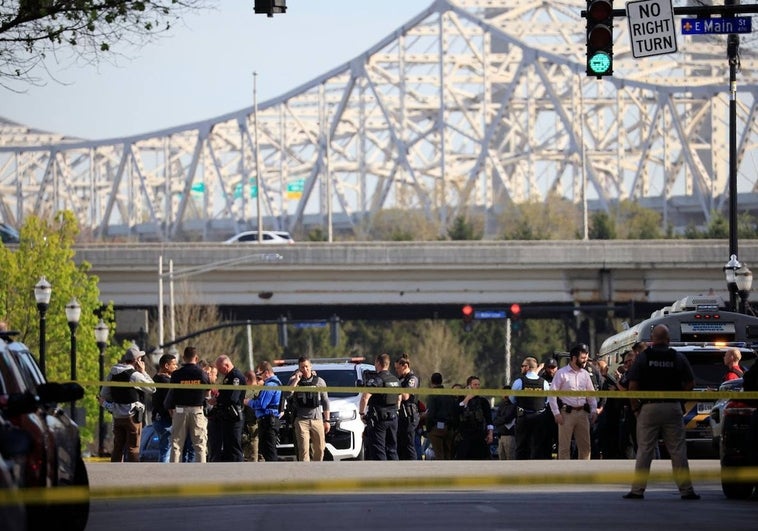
[[345, 438]]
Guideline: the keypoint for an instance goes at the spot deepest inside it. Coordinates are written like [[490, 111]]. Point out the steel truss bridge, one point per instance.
[[469, 106]]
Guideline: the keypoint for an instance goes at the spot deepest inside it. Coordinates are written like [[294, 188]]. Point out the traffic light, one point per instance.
[[515, 317], [269, 7], [334, 330], [468, 317], [599, 17]]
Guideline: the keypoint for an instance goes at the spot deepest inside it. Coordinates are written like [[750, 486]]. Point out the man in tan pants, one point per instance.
[[311, 412], [577, 412]]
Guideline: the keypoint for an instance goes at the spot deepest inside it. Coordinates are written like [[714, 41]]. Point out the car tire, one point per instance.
[[76, 515], [735, 490]]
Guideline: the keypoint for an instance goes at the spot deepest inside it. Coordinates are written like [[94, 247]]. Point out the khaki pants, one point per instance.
[[576, 423], [662, 420], [189, 420], [310, 432]]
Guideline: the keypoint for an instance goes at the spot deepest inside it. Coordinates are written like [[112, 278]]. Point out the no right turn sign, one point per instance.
[[651, 27]]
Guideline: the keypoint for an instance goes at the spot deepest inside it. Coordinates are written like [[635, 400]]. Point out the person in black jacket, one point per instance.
[[228, 405], [186, 409], [660, 368], [161, 418], [379, 412]]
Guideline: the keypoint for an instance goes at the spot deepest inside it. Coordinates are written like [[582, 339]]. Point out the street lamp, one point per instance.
[[744, 280], [101, 340], [730, 268], [42, 292], [73, 313]]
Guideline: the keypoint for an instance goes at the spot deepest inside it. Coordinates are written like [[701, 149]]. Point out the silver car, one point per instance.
[[717, 412], [276, 237]]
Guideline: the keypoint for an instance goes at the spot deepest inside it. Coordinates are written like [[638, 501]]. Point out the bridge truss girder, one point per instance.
[[473, 104]]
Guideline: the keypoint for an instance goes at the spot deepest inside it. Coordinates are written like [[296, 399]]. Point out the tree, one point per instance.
[[602, 226], [463, 229], [636, 222], [31, 31], [555, 219], [46, 250]]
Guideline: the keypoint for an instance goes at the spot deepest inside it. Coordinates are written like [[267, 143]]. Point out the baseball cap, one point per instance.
[[551, 363], [132, 353]]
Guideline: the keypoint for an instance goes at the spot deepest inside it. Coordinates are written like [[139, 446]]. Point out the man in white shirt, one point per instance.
[[577, 412]]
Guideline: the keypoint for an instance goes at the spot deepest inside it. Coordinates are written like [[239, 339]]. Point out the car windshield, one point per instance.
[[709, 368]]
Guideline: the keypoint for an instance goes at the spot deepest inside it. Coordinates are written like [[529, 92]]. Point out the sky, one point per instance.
[[204, 67]]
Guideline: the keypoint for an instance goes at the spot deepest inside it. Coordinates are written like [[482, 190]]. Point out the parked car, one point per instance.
[[8, 234], [14, 445], [276, 237], [54, 458], [739, 440], [717, 412], [345, 438]]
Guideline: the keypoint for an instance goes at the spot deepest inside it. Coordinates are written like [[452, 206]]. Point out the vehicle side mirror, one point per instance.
[[16, 404], [60, 392]]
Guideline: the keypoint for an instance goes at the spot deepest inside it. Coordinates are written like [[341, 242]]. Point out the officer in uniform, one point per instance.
[[229, 406], [311, 412], [379, 412], [186, 409], [660, 368], [531, 412], [408, 415], [266, 407]]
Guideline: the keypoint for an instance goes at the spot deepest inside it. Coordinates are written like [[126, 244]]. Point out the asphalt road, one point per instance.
[[446, 496]]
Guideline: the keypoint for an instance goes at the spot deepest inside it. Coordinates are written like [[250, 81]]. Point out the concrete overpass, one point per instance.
[[415, 279]]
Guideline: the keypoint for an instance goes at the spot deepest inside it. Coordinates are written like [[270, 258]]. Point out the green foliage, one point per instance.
[[46, 250], [463, 229], [602, 226], [401, 225], [555, 219], [636, 222]]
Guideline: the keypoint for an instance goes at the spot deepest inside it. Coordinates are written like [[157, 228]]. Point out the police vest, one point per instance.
[[531, 403], [124, 395], [660, 370], [405, 382], [308, 400], [388, 400]]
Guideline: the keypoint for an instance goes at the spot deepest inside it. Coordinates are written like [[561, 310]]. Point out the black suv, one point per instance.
[[54, 457], [739, 440]]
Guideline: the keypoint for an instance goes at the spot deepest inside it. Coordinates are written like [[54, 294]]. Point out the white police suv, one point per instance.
[[345, 438]]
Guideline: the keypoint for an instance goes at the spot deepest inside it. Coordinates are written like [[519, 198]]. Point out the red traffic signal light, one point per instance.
[[515, 311], [468, 317]]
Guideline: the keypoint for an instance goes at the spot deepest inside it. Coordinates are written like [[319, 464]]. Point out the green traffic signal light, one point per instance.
[[599, 64], [599, 15]]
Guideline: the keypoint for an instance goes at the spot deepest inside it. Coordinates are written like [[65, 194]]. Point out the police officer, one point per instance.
[[379, 412], [266, 407], [660, 368], [311, 412], [229, 404], [531, 427], [186, 409], [408, 415]]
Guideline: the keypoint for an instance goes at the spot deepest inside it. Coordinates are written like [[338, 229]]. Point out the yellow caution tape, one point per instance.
[[34, 496], [708, 395]]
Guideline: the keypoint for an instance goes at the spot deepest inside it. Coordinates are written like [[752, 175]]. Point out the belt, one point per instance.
[[661, 401], [569, 409], [190, 407]]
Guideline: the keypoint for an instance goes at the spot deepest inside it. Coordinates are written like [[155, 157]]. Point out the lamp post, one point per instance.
[[744, 280], [42, 292], [101, 340], [73, 313], [730, 268]]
